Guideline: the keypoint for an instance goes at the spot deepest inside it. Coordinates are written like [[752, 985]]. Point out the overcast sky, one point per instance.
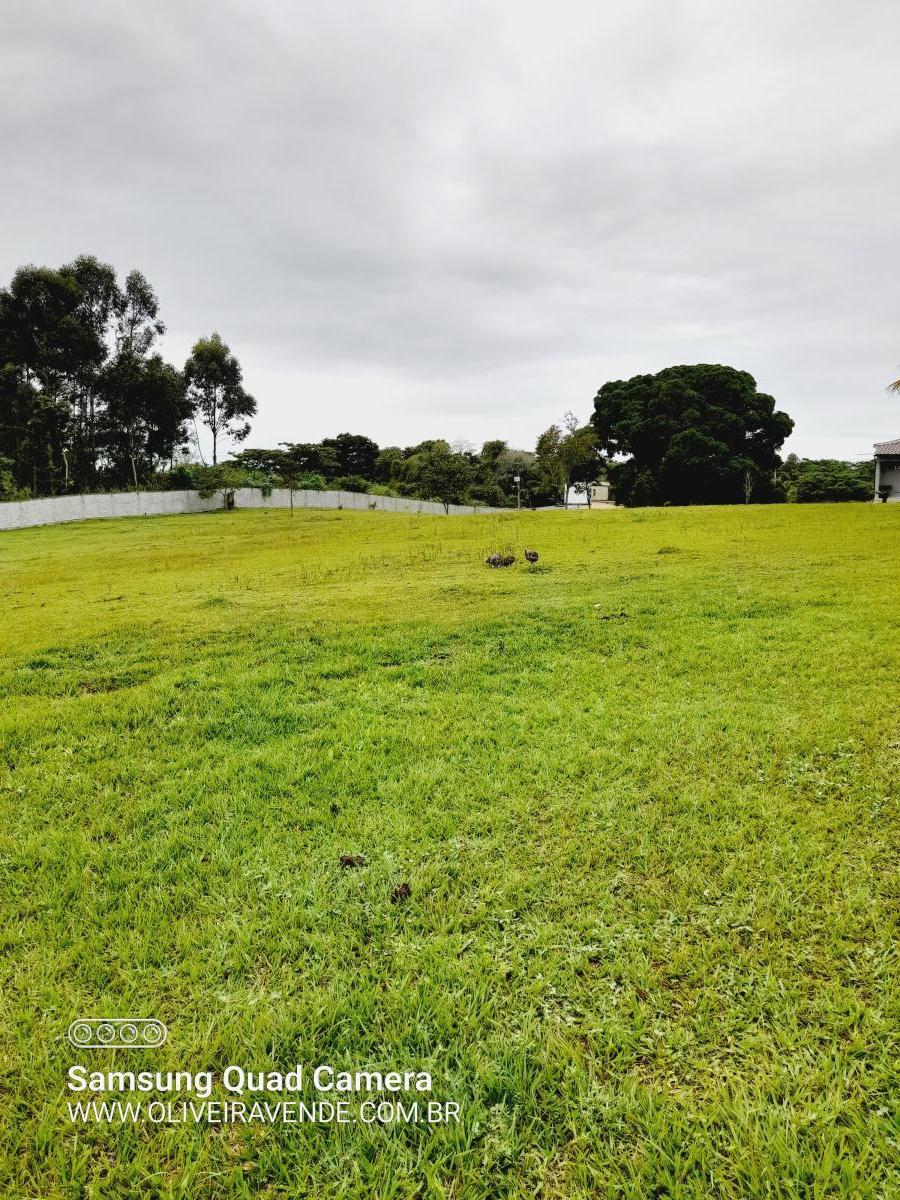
[[420, 218]]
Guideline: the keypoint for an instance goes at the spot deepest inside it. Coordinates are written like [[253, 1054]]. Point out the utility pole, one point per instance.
[[517, 480]]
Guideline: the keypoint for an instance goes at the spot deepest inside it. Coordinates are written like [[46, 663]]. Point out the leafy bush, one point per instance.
[[351, 483], [491, 494], [830, 481], [8, 490], [309, 481], [224, 477]]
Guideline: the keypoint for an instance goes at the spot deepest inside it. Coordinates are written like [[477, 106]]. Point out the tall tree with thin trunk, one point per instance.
[[214, 383], [579, 456], [50, 346], [548, 463], [137, 317], [145, 415], [100, 296]]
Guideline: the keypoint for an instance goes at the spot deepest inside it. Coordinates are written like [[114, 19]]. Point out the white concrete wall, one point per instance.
[[21, 514]]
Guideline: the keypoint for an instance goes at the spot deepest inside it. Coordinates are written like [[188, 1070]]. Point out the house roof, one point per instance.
[[888, 447]]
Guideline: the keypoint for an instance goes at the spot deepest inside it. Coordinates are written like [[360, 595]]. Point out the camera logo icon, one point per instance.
[[117, 1033]]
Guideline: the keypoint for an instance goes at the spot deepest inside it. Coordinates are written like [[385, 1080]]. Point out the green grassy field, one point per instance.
[[650, 946]]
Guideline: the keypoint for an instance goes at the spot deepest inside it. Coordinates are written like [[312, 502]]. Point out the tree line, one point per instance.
[[566, 458], [88, 402], [700, 434]]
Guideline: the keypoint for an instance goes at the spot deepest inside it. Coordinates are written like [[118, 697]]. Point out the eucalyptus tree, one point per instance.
[[145, 416], [51, 345], [214, 383], [74, 348]]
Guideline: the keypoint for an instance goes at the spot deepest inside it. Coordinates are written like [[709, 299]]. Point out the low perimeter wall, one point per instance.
[[21, 514]]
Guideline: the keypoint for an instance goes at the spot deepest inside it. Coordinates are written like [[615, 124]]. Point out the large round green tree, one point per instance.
[[697, 434]]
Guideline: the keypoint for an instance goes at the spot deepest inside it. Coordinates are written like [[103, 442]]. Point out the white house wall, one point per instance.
[[890, 475]]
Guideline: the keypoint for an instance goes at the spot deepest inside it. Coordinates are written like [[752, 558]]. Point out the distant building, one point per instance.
[[887, 471], [600, 495], [596, 495]]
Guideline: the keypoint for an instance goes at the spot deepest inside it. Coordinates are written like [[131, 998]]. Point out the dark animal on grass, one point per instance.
[[531, 555], [492, 560], [352, 860], [507, 560]]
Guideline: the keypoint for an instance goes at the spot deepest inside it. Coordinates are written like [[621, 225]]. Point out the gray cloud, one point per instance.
[[463, 216]]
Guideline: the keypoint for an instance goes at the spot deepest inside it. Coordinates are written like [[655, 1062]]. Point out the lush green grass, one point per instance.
[[650, 946]]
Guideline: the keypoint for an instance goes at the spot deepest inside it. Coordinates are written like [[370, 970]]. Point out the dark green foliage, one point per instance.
[[354, 455], [295, 466], [389, 464], [493, 474], [694, 435], [137, 316], [7, 482], [351, 483], [226, 478], [316, 457], [144, 415], [826, 480], [214, 383], [49, 347], [567, 456], [299, 466], [427, 471], [549, 463], [420, 471], [443, 475], [310, 481], [46, 327], [273, 462], [83, 404], [33, 432]]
